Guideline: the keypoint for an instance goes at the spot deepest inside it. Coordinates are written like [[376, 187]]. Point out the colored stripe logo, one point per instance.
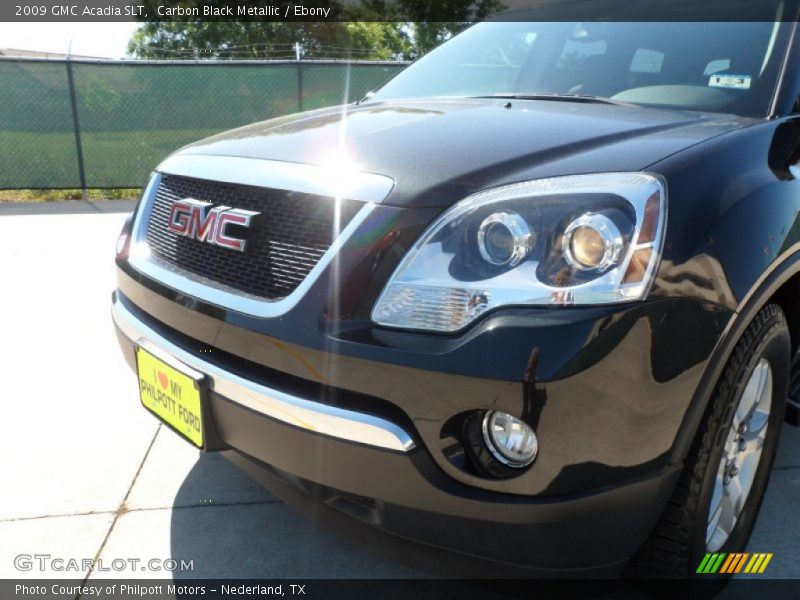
[[731, 563]]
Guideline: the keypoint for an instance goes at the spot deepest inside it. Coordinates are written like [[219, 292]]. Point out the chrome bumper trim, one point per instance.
[[298, 412]]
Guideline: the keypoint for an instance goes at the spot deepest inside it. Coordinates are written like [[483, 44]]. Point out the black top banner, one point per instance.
[[398, 10]]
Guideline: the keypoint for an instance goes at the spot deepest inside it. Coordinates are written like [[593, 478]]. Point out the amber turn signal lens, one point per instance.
[[638, 267], [650, 222]]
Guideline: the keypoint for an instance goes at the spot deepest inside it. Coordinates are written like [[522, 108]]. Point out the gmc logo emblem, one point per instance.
[[204, 222]]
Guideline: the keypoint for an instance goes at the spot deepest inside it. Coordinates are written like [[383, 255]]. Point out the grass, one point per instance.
[[112, 160], [70, 194]]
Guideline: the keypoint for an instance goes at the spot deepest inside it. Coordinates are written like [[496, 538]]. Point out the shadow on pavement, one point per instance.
[[311, 540], [260, 537], [224, 521]]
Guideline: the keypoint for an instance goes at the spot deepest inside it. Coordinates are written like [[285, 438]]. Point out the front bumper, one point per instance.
[[298, 412], [381, 473]]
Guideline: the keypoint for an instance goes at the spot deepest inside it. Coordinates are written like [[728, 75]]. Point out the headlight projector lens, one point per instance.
[[510, 440], [504, 239], [592, 242]]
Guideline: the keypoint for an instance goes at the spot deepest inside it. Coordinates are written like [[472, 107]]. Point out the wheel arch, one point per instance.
[[779, 285]]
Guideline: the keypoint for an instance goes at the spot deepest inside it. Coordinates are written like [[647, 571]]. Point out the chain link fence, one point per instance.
[[106, 124]]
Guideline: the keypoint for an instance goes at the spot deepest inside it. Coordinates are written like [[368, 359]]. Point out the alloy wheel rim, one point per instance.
[[740, 457]]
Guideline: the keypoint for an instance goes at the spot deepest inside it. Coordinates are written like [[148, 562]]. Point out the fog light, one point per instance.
[[510, 440], [122, 243]]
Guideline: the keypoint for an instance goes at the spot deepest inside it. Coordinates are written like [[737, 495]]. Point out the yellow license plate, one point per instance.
[[172, 395]]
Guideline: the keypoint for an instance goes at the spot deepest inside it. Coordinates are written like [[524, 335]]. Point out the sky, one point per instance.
[[104, 40]]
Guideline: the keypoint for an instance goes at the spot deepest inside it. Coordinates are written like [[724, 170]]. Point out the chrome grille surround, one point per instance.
[[364, 188], [285, 241]]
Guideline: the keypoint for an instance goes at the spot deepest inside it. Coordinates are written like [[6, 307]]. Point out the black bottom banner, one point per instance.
[[413, 589]]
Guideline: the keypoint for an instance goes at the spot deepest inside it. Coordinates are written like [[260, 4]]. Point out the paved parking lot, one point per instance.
[[87, 473]]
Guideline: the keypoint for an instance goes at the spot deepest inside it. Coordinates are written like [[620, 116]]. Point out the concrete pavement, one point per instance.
[[86, 472], [67, 207]]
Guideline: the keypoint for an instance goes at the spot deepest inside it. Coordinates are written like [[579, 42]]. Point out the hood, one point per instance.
[[438, 152]]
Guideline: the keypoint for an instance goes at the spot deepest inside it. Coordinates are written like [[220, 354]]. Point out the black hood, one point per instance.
[[440, 151]]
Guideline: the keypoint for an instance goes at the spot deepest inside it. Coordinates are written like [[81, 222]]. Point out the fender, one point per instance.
[[733, 236], [765, 289]]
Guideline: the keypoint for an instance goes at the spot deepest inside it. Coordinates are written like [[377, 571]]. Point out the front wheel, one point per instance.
[[725, 475]]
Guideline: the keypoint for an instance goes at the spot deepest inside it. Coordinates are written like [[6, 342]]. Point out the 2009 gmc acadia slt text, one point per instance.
[[536, 299]]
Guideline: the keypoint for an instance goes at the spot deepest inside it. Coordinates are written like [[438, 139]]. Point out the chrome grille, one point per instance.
[[284, 242]]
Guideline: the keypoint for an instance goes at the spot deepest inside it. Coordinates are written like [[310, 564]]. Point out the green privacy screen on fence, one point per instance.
[[130, 115]]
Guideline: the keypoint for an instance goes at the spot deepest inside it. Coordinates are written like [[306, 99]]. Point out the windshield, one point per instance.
[[714, 67]]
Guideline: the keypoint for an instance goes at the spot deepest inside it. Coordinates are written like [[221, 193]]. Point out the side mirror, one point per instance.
[[368, 96], [784, 154]]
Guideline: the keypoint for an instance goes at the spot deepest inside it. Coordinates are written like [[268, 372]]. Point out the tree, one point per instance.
[[373, 30], [432, 22], [195, 38]]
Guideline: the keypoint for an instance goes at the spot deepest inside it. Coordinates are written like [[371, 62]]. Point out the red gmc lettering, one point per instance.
[[204, 222], [236, 218]]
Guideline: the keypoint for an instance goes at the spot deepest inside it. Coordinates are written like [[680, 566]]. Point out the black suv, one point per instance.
[[535, 299]]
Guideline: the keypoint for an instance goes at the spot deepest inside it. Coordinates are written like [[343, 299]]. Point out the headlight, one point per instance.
[[586, 239]]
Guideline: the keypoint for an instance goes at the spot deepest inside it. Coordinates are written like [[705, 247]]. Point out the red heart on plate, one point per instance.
[[163, 380]]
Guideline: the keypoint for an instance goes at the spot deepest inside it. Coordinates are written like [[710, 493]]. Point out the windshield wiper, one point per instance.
[[583, 98]]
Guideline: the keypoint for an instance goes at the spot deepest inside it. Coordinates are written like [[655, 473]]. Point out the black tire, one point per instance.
[[677, 545], [793, 403]]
